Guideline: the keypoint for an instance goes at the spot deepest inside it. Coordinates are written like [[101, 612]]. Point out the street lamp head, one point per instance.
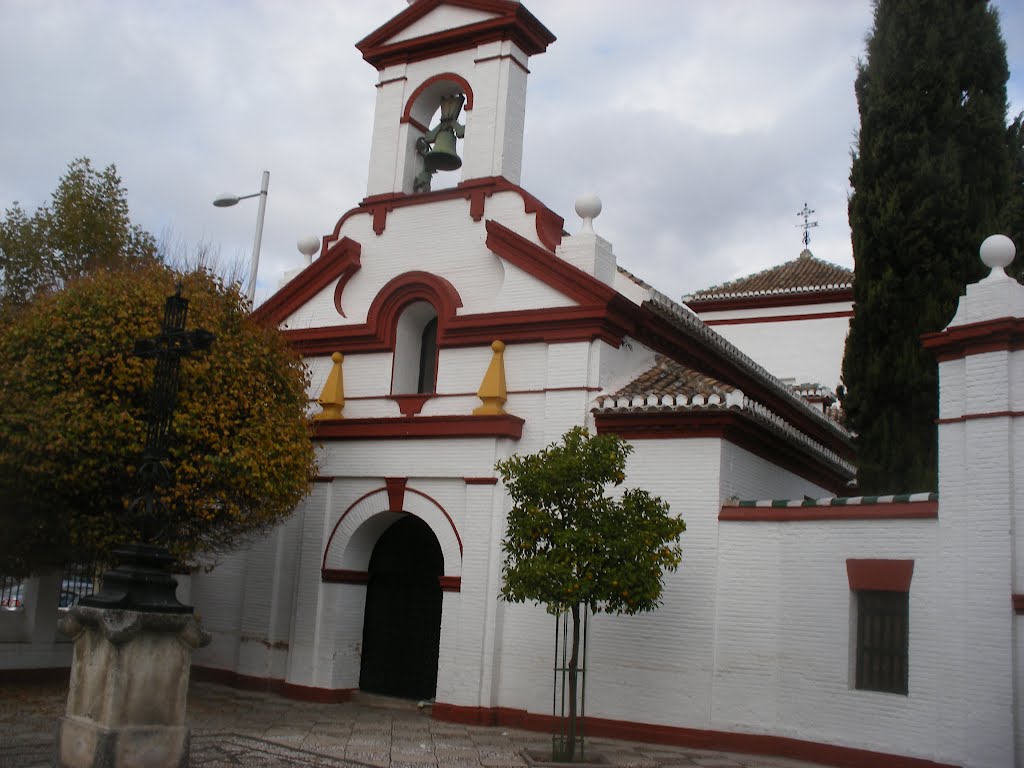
[[226, 200]]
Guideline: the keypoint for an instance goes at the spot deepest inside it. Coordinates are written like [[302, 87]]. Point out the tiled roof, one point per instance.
[[668, 377], [803, 274], [842, 501]]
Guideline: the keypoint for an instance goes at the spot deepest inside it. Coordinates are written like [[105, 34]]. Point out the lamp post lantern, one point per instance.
[[226, 201]]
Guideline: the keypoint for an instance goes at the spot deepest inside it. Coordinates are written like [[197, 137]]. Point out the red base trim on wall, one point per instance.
[[760, 744], [272, 685], [1018, 604]]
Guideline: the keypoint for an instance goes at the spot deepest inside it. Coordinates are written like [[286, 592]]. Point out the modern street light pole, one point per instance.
[[225, 201]]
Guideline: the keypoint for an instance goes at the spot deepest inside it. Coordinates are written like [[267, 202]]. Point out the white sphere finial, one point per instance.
[[997, 253], [307, 246], [588, 208]]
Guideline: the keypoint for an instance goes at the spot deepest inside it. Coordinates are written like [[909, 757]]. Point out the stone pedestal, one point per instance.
[[129, 684]]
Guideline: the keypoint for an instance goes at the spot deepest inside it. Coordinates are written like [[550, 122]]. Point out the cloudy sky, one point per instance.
[[704, 125]]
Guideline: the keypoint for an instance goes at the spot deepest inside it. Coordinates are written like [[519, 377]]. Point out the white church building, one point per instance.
[[448, 328]]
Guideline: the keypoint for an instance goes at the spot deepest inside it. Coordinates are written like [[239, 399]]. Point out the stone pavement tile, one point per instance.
[[403, 761], [502, 762], [717, 762], [379, 759]]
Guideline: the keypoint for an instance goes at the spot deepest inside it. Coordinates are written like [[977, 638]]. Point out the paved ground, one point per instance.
[[232, 728]]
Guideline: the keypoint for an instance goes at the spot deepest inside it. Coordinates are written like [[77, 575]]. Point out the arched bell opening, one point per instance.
[[402, 618], [436, 108]]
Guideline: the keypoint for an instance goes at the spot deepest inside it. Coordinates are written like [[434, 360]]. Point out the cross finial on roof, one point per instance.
[[808, 225]]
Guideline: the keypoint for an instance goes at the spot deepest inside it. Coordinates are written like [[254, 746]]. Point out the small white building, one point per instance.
[[449, 329], [792, 318]]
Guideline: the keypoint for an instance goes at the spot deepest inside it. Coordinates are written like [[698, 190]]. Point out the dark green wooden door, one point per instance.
[[402, 622]]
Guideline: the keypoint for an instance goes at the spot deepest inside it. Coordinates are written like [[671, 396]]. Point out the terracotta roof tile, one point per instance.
[[668, 377], [802, 274]]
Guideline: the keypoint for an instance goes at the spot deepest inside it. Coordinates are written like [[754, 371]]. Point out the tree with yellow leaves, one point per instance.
[[73, 420]]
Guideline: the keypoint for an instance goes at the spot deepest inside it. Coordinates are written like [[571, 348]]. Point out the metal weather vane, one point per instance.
[[808, 225]]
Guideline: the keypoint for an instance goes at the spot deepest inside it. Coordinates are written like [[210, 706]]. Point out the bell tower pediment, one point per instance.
[[451, 92]]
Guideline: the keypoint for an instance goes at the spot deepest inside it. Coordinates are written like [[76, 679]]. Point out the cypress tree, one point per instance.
[[931, 173]]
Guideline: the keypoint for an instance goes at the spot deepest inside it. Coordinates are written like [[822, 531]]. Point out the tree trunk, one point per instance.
[[570, 751]]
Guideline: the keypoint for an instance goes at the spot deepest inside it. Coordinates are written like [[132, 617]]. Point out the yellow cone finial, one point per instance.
[[492, 388], [332, 399]]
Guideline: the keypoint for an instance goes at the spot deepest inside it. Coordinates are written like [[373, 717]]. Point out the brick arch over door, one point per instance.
[[347, 554]]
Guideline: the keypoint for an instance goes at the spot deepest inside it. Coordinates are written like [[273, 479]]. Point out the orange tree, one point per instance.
[[73, 421], [569, 544]]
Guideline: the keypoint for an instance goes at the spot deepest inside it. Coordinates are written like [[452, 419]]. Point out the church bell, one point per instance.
[[442, 157]]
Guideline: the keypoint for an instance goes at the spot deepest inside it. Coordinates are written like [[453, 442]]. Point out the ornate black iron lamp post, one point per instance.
[[142, 580]]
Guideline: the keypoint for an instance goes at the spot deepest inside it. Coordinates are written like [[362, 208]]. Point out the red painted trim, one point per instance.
[[271, 685], [323, 479], [880, 575], [330, 539], [444, 512], [751, 743], [511, 22], [797, 299], [432, 395], [414, 123], [396, 492], [380, 219], [428, 427], [1003, 334], [344, 576], [391, 80], [777, 318], [1018, 603], [35, 675], [730, 425], [432, 500], [450, 583], [377, 334], [974, 416], [459, 80], [558, 273], [340, 260], [500, 56], [911, 510], [480, 480], [410, 405], [346, 274]]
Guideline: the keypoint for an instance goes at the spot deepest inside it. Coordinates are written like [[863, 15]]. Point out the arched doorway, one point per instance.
[[402, 623]]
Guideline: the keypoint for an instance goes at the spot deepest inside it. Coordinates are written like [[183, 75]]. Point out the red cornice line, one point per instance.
[[1018, 603], [480, 480], [764, 301], [917, 510], [777, 318], [551, 326], [724, 424], [427, 427], [1002, 334]]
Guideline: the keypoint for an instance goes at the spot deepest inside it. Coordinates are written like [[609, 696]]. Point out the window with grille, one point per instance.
[[883, 640]]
